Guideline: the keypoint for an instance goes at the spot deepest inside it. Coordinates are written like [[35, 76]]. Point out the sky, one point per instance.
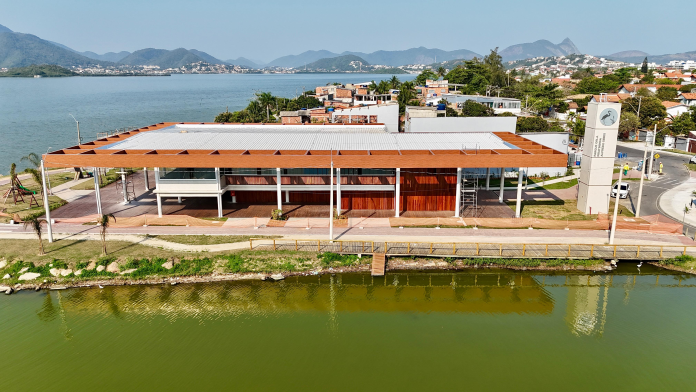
[[263, 30]]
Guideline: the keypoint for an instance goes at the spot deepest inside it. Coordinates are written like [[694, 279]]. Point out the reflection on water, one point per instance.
[[410, 331]]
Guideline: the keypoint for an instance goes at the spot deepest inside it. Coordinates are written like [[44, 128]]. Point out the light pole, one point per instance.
[[48, 179], [79, 139]]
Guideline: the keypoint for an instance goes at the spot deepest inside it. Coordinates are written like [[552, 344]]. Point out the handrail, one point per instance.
[[631, 251]]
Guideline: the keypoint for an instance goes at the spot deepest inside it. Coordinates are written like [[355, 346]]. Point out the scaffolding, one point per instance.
[[469, 197]]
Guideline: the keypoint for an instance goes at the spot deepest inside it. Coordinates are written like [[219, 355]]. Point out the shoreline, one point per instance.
[[399, 265]]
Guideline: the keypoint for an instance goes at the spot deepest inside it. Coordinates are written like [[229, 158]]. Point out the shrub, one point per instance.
[[278, 215], [236, 264], [678, 261], [330, 259]]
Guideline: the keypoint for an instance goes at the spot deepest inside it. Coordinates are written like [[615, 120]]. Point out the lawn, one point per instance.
[[560, 210], [109, 178], [208, 239], [23, 209]]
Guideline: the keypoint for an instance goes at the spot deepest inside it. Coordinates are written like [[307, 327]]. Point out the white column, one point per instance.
[[397, 193], [147, 180], [159, 198], [280, 200], [287, 197], [502, 184], [518, 208], [97, 191], [178, 200], [219, 188], [125, 187], [488, 178], [159, 205], [46, 205], [338, 190], [458, 196]]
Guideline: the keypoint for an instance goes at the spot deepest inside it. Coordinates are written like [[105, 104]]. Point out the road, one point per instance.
[[674, 171]]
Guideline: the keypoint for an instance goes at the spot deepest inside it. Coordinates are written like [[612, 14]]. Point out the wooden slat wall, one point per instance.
[[421, 190]]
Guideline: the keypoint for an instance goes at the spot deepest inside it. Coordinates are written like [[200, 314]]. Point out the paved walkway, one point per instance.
[[673, 201]]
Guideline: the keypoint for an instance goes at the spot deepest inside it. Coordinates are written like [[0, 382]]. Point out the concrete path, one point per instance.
[[64, 192]]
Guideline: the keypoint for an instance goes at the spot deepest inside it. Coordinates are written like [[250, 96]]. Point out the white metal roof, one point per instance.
[[336, 137]]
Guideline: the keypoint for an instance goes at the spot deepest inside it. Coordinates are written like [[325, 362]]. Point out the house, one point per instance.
[[432, 89], [385, 113], [674, 109], [498, 104], [633, 88], [688, 99], [281, 164], [290, 117], [617, 98]]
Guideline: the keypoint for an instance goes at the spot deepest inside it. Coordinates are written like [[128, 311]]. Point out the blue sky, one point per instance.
[[267, 29]]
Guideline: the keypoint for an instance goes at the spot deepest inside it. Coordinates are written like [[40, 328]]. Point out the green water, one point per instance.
[[484, 330]]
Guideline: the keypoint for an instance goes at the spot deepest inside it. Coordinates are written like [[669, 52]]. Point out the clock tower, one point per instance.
[[599, 150]]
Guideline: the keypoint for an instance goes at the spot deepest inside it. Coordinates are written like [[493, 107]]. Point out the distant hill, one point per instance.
[[294, 61], [394, 58], [541, 48], [109, 56], [167, 58], [21, 50], [49, 71], [338, 64], [4, 29], [245, 62], [420, 55], [637, 56]]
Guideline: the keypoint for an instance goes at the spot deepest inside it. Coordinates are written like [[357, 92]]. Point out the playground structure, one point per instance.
[[18, 191]]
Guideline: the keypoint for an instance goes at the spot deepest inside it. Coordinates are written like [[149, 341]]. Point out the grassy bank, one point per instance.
[[561, 210], [209, 239]]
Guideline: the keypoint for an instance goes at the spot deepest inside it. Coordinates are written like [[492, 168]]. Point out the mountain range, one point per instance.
[[18, 49]]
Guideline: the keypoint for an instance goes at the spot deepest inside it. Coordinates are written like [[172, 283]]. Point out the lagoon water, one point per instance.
[[35, 113], [483, 330]]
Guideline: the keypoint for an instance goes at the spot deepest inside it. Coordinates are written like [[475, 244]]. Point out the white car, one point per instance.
[[623, 193], [693, 159]]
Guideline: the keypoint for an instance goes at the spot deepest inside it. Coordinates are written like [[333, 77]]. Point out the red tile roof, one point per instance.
[[670, 104], [689, 95]]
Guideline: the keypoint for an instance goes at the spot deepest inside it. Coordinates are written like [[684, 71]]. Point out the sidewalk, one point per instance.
[[673, 201]]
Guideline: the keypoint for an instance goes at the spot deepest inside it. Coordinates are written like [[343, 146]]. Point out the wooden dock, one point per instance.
[[379, 261]]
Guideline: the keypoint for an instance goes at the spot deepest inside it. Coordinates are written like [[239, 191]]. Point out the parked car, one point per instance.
[[693, 159], [623, 193]]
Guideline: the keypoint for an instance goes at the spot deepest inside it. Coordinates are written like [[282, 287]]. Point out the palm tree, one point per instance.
[[266, 100], [37, 224], [103, 224], [395, 82], [441, 72], [35, 172]]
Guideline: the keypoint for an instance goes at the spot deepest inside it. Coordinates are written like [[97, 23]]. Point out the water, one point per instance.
[[489, 330], [35, 113]]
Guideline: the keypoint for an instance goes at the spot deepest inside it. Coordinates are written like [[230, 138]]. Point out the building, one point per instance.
[[674, 109], [387, 114], [498, 104], [278, 164], [688, 99], [633, 88]]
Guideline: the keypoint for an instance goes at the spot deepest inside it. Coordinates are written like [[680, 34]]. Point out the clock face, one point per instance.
[[608, 117]]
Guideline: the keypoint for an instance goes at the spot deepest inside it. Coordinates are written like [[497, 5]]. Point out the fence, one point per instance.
[[478, 249]]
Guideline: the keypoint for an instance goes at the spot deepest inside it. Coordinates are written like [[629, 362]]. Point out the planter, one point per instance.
[[275, 223]]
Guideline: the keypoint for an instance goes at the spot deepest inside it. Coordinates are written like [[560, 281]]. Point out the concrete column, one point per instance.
[[488, 178], [458, 196], [147, 180], [338, 190], [219, 188], [502, 184], [46, 205], [279, 195], [178, 200], [159, 205], [125, 190], [97, 192], [518, 208], [219, 202], [287, 197], [157, 178], [397, 193]]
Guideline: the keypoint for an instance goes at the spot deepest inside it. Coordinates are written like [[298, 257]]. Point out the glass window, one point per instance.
[[187, 173]]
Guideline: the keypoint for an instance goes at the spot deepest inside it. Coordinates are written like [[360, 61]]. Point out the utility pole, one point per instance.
[[616, 208], [79, 139], [652, 153], [642, 176]]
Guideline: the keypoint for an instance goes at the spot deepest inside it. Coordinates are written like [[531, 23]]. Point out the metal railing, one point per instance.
[[477, 249]]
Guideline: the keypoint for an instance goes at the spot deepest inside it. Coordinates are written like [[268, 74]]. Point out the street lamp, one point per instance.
[[48, 179], [79, 139]]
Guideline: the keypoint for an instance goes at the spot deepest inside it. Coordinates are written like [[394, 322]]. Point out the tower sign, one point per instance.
[[597, 167]]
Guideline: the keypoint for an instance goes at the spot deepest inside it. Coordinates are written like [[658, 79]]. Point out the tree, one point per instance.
[[648, 78], [474, 74], [472, 108], [37, 224], [683, 124], [666, 93], [629, 122], [532, 124], [427, 74], [35, 171], [592, 85], [407, 94], [441, 71], [644, 66], [644, 92], [578, 128], [582, 74], [266, 99], [103, 224], [686, 88], [651, 110], [692, 113], [494, 64], [394, 82], [624, 74]]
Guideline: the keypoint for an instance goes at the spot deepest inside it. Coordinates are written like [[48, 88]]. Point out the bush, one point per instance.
[[678, 261], [278, 215], [330, 259], [236, 264]]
